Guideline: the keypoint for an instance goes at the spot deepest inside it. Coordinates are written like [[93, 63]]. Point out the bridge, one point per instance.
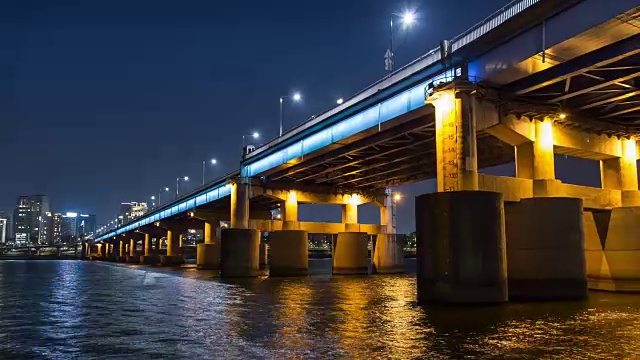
[[536, 79]]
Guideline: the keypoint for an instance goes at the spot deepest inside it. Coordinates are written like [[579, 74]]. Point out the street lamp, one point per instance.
[[407, 19], [340, 101], [160, 193], [255, 135], [153, 203], [213, 162], [186, 178], [295, 97]]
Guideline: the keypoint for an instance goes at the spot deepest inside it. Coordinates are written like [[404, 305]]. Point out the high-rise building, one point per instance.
[[131, 211], [77, 226], [28, 216], [51, 228], [5, 227]]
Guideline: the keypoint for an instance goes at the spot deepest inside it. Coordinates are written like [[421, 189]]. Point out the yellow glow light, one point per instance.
[[629, 151], [546, 134], [397, 196]]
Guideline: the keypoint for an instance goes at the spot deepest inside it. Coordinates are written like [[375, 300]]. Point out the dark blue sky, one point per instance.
[[103, 102]]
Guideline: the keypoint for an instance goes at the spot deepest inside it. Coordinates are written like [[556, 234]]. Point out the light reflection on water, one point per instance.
[[84, 310]]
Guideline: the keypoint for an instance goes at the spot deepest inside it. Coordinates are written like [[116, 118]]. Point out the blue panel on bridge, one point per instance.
[[388, 109], [191, 202]]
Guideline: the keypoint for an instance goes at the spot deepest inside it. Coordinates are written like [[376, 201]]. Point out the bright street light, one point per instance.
[[186, 178], [255, 135], [296, 97], [213, 162], [340, 101], [166, 189], [407, 19]]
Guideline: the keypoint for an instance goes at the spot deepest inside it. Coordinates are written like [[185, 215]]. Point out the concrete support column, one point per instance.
[[240, 206], [173, 258], [240, 253], [545, 249], [350, 216], [461, 247], [121, 252], [132, 258], [290, 212], [149, 258], [147, 244], [289, 253], [456, 149], [622, 173], [350, 254], [535, 160], [387, 256], [612, 249], [208, 254]]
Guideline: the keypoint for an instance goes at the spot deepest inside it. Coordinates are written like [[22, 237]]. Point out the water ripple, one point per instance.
[[84, 310]]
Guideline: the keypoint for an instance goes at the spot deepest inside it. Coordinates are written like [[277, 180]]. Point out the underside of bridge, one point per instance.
[[403, 151], [600, 89]]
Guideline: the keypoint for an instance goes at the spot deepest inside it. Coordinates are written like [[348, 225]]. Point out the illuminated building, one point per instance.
[[5, 227], [76, 225], [29, 213], [132, 210], [51, 228]]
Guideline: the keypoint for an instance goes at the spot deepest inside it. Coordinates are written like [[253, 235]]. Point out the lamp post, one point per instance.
[[213, 162], [255, 135], [295, 97], [407, 19], [160, 193], [178, 184]]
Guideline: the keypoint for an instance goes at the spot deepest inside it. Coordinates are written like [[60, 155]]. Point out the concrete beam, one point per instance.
[[314, 227], [517, 131], [319, 198]]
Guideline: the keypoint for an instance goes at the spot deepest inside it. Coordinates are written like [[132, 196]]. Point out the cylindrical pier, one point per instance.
[[208, 256], [545, 249], [289, 253], [350, 254], [461, 247], [388, 255], [240, 253]]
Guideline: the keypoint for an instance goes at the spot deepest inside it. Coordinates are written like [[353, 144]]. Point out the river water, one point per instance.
[[86, 310]]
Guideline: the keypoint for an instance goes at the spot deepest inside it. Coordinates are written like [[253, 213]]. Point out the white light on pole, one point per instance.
[[186, 178], [407, 19], [213, 162], [340, 101], [255, 135], [296, 97]]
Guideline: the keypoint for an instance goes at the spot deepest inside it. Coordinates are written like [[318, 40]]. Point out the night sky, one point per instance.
[[103, 102]]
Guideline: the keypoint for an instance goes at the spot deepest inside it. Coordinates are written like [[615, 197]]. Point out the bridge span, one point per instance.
[[537, 78]]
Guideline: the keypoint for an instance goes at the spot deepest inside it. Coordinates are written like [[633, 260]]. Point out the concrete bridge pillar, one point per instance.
[[173, 257], [290, 212], [461, 247], [122, 253], [350, 254], [240, 253], [612, 249], [240, 206], [456, 149], [208, 254], [535, 160], [545, 249], [350, 215], [387, 256], [289, 253], [149, 257], [622, 173], [131, 254]]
